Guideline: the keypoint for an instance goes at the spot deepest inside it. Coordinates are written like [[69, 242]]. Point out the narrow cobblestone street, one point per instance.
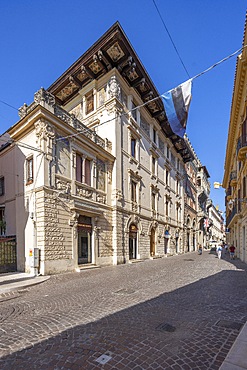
[[182, 312]]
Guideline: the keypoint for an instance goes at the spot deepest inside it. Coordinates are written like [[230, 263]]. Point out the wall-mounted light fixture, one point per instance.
[[232, 201], [217, 185]]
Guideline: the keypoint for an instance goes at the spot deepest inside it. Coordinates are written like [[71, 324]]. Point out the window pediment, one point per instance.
[[153, 151], [133, 132], [154, 188], [134, 175]]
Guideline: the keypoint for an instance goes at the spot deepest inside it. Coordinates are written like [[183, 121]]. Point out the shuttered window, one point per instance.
[[87, 168]]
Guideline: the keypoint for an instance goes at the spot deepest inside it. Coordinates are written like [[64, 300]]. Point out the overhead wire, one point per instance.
[[157, 97], [21, 144], [9, 105], [27, 146], [147, 102], [173, 43], [219, 62], [170, 37]]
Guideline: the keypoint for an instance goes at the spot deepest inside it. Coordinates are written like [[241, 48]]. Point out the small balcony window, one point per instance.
[[29, 170], [83, 169]]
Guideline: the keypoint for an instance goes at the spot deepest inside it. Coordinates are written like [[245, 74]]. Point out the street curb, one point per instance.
[[14, 287]]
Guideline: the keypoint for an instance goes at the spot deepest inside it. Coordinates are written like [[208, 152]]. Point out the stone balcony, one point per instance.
[[233, 178], [242, 148]]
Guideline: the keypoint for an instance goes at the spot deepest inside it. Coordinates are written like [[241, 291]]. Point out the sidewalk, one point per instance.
[[13, 281], [237, 356]]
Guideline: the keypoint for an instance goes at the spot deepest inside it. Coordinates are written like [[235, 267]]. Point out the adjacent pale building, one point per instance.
[[197, 202], [216, 225]]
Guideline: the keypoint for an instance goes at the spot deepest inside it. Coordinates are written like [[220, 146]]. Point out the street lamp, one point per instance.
[[217, 185], [232, 201]]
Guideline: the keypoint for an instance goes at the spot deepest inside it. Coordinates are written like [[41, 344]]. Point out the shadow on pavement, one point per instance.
[[192, 327]]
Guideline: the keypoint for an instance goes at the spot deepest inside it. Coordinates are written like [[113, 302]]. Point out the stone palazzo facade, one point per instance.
[[99, 177], [235, 174]]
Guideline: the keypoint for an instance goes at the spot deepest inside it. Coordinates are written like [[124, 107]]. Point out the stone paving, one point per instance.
[[182, 312]]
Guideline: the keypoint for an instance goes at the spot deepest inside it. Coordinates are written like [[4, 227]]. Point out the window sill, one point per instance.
[[133, 160]]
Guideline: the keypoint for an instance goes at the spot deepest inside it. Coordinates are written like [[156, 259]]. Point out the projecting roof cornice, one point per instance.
[[237, 98], [235, 116], [113, 50]]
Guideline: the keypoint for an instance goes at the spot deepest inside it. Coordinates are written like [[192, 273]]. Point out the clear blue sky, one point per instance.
[[40, 39]]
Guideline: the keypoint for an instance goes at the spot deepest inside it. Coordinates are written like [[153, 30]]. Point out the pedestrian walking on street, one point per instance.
[[199, 249], [219, 251], [232, 252]]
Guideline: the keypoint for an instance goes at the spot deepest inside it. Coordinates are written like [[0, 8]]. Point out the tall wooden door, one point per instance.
[[152, 243]]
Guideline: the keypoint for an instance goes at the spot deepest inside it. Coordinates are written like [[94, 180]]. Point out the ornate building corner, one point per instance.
[[114, 89], [45, 134], [43, 97], [23, 110]]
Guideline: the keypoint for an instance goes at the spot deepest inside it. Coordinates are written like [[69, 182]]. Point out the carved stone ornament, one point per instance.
[[22, 111], [117, 194], [63, 186], [43, 96], [114, 88], [83, 192], [73, 221], [95, 66], [101, 198], [44, 129]]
